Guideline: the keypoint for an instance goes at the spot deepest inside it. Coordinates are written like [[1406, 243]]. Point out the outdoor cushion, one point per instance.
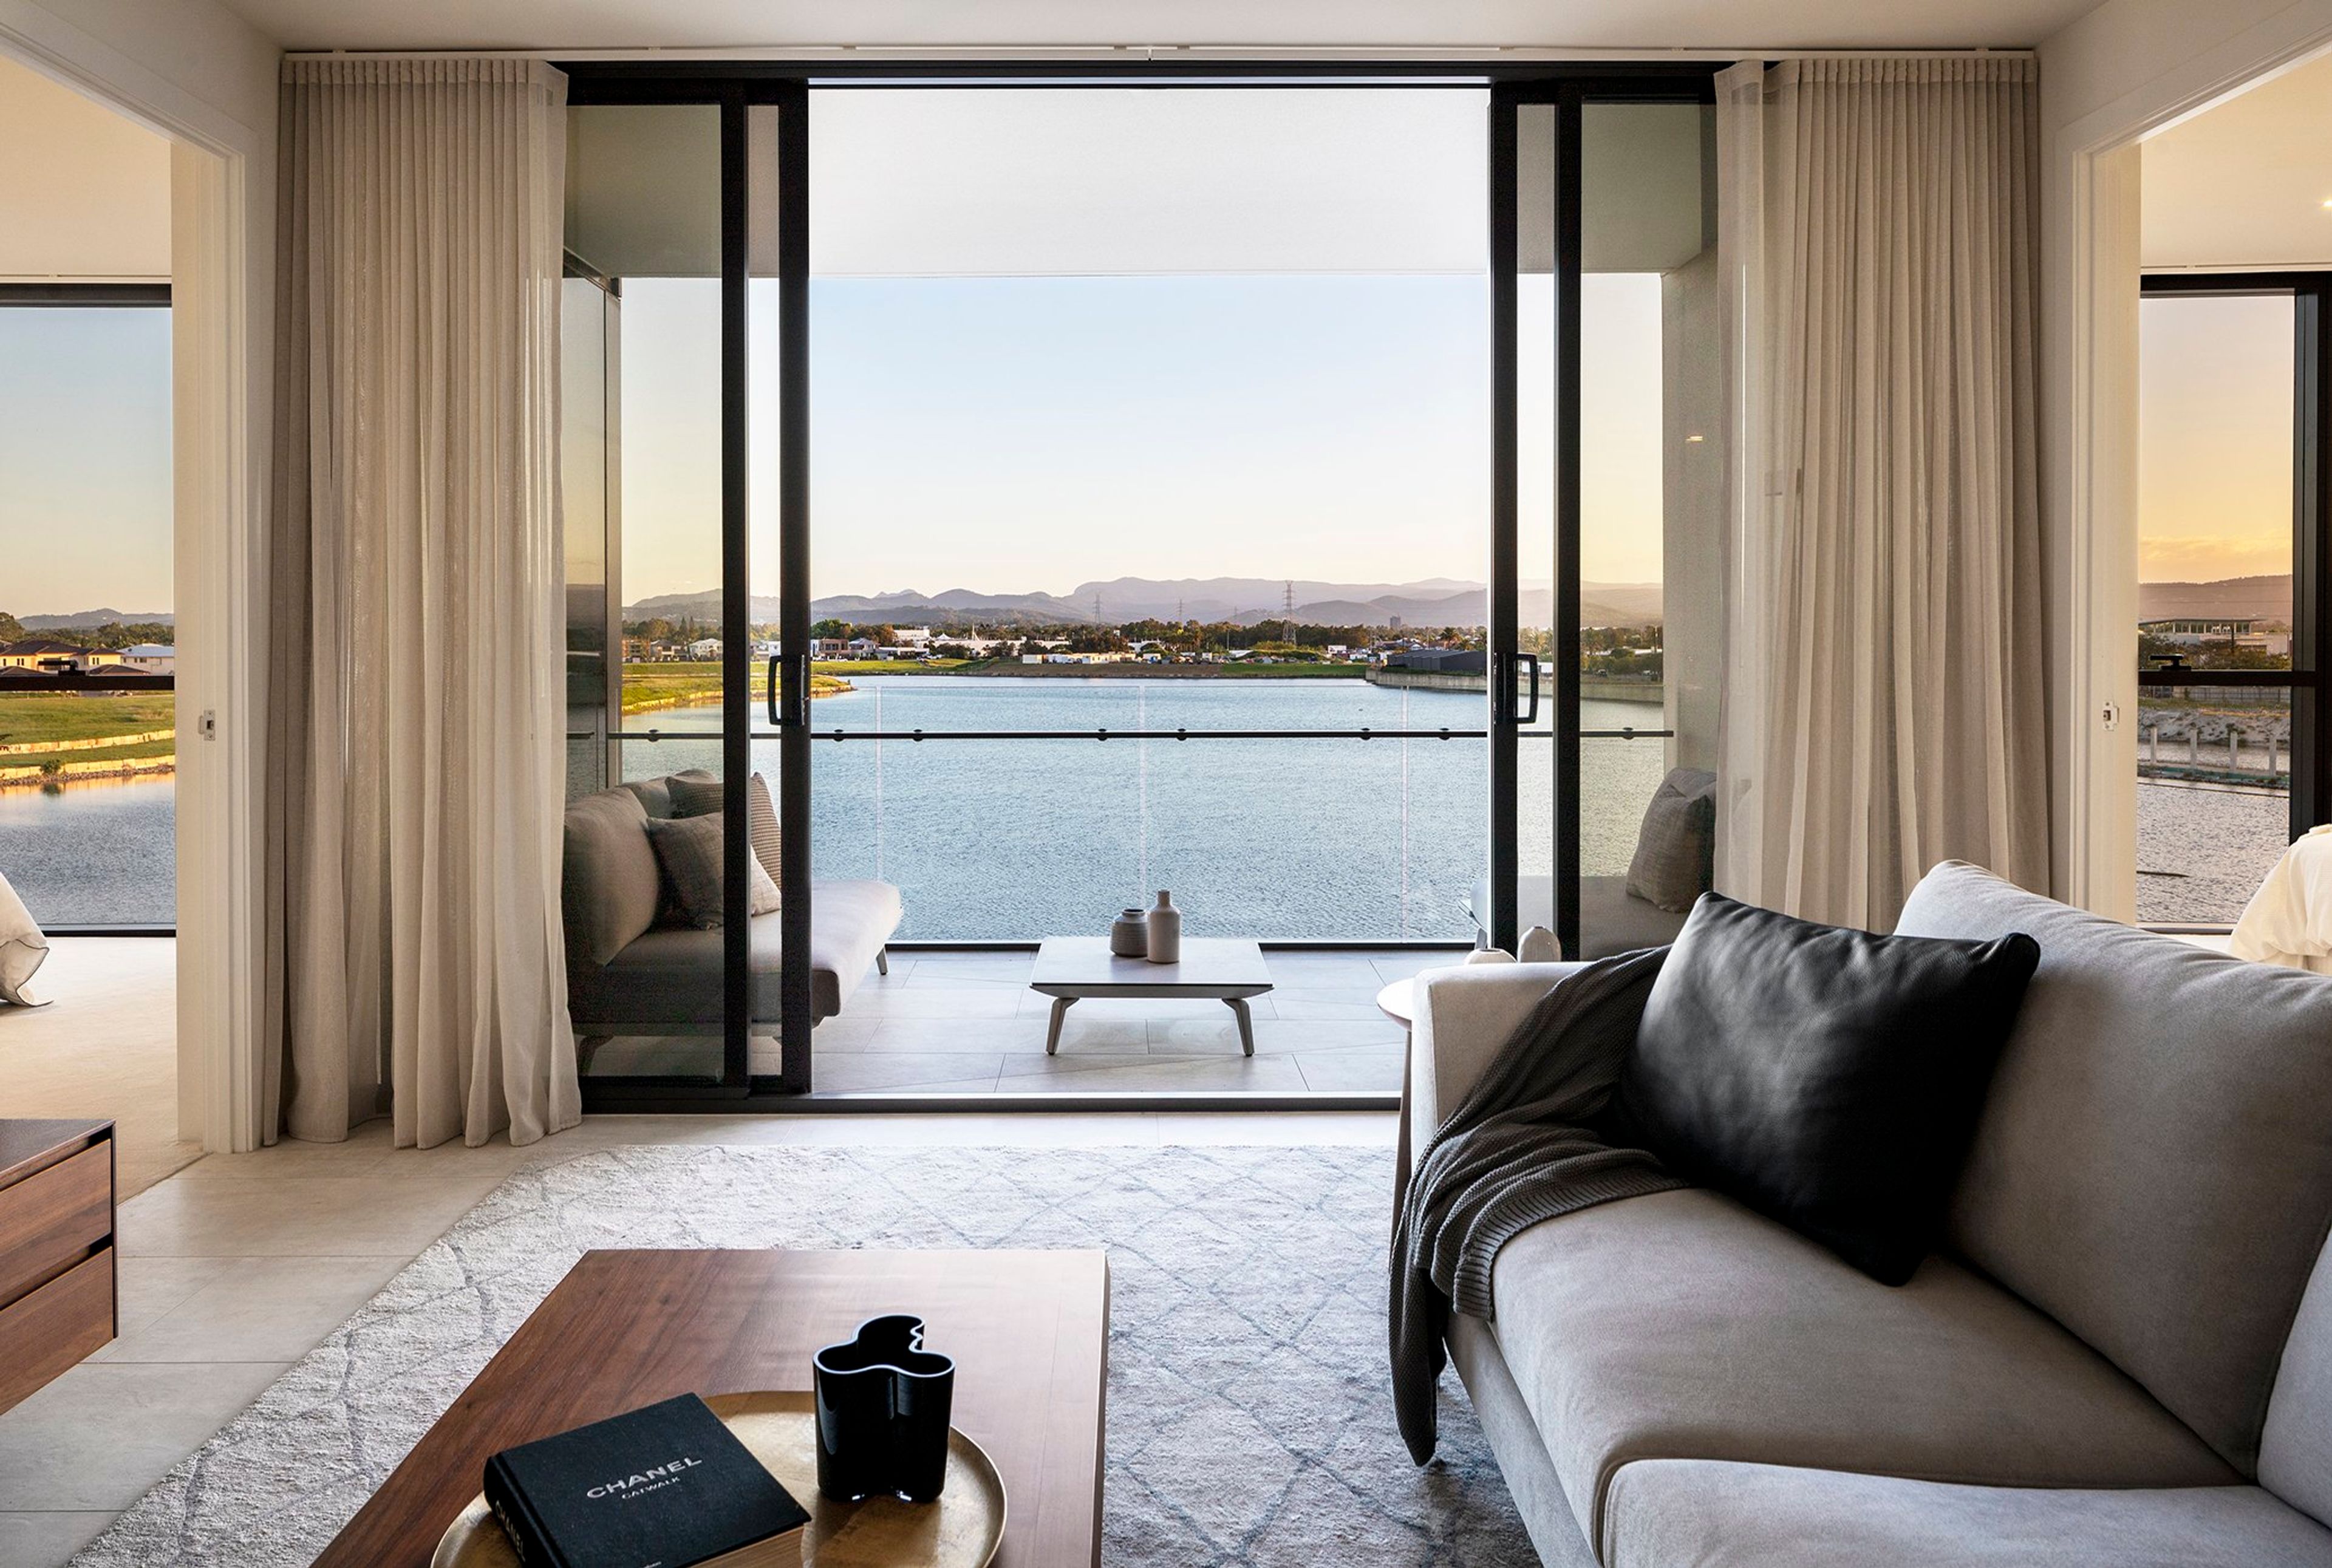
[[1676, 848], [2154, 1166], [670, 979], [1669, 1511], [1680, 1325], [610, 886]]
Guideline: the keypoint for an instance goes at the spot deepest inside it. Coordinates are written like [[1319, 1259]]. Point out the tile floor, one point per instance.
[[966, 1023], [238, 1265]]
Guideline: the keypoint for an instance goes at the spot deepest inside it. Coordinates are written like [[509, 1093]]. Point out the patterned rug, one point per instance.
[[1249, 1419]]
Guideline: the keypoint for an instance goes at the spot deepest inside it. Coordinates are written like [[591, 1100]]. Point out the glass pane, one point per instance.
[[2215, 481], [1141, 411], [2216, 489], [87, 796], [1534, 491], [2213, 799], [1651, 508], [642, 426]]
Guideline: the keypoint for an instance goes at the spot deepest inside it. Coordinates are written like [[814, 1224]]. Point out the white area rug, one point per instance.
[[1249, 1420]]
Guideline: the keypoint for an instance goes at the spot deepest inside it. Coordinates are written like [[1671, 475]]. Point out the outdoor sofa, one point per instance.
[[2123, 1356], [634, 970]]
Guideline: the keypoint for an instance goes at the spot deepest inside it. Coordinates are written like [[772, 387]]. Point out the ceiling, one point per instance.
[[84, 194], [942, 25], [2245, 184]]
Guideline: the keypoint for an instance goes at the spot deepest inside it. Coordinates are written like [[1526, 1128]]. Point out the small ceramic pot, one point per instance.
[[1129, 936], [882, 1407]]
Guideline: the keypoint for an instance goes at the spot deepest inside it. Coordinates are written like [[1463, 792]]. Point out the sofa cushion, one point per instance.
[[1676, 848], [610, 887], [1669, 1511], [1826, 1077], [1680, 1325], [2154, 1166], [2296, 1446]]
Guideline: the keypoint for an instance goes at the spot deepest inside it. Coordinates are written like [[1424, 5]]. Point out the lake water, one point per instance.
[[1016, 839], [1339, 839], [93, 854]]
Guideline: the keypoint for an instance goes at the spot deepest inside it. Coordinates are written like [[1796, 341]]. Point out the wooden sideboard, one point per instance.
[[56, 1249]]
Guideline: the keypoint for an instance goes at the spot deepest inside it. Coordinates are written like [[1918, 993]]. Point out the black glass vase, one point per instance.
[[882, 1407]]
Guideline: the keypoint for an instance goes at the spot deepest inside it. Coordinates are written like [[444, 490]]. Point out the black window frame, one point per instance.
[[736, 85], [2310, 292], [97, 296]]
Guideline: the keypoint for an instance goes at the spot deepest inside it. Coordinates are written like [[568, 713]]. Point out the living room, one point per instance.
[[949, 701]]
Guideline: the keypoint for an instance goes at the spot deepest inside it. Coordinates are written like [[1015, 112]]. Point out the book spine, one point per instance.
[[528, 1540]]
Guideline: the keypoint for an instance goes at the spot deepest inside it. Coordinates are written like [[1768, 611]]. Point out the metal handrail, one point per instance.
[[1363, 733]]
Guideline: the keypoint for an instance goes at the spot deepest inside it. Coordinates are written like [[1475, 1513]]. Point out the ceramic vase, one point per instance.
[[1165, 932], [882, 1407], [1129, 935]]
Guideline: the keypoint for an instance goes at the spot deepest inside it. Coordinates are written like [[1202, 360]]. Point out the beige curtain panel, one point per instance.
[[1884, 699], [415, 742]]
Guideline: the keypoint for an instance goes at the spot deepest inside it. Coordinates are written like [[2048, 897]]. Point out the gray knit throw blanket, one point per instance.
[[1519, 1148]]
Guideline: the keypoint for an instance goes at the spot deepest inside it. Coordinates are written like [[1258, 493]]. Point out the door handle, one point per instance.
[[776, 720], [1531, 715]]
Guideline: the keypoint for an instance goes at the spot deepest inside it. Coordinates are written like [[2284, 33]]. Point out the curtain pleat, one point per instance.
[[416, 734], [1884, 702]]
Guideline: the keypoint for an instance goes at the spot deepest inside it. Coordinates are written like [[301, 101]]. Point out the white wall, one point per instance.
[[2127, 68], [84, 192], [196, 73]]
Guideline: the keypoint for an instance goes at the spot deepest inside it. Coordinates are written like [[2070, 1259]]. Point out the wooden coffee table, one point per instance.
[[1029, 1331], [1070, 969]]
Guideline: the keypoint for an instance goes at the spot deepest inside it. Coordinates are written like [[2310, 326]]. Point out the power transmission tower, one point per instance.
[[1096, 608], [1287, 611]]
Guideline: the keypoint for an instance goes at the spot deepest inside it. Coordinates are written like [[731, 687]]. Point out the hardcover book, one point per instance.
[[664, 1487]]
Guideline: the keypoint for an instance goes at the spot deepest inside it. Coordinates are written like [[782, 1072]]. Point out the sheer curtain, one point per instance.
[[1884, 704], [416, 731]]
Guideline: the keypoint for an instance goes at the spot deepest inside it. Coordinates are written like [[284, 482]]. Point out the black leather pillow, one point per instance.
[[1827, 1078]]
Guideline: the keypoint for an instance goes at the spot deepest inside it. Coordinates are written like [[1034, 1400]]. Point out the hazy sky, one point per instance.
[[1016, 435], [2215, 438], [85, 459]]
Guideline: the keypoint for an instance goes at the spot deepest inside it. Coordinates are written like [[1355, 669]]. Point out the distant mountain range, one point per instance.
[[1242, 601], [85, 620], [2258, 597]]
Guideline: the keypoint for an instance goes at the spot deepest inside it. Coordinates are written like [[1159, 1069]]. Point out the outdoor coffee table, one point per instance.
[[1030, 1333], [1070, 969]]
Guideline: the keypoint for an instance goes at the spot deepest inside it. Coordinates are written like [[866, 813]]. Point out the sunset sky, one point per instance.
[[2215, 438]]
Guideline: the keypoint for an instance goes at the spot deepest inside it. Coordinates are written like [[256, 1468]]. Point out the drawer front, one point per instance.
[[56, 1325], [53, 1217]]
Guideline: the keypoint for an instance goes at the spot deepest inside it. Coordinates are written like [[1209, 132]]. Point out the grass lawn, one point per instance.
[[30, 717], [138, 753], [649, 687]]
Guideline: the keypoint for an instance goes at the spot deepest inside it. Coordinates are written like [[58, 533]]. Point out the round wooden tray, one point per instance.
[[962, 1530]]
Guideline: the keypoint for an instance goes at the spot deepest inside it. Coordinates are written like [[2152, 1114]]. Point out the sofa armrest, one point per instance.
[[1464, 1016]]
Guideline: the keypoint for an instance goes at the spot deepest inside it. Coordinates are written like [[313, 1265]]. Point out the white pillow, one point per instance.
[[22, 947]]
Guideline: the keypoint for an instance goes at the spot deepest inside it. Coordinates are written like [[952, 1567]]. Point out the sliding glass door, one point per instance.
[[2234, 595], [1212, 492], [684, 975], [1607, 406]]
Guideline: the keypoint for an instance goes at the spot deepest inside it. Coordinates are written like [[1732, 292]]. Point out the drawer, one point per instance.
[[43, 1334], [53, 1217]]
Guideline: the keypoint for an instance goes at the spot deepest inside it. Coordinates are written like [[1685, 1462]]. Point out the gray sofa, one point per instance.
[[629, 972], [2124, 1356]]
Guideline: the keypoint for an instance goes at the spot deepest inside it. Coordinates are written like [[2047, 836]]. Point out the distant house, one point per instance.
[[2216, 631], [45, 655], [704, 648], [154, 658]]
